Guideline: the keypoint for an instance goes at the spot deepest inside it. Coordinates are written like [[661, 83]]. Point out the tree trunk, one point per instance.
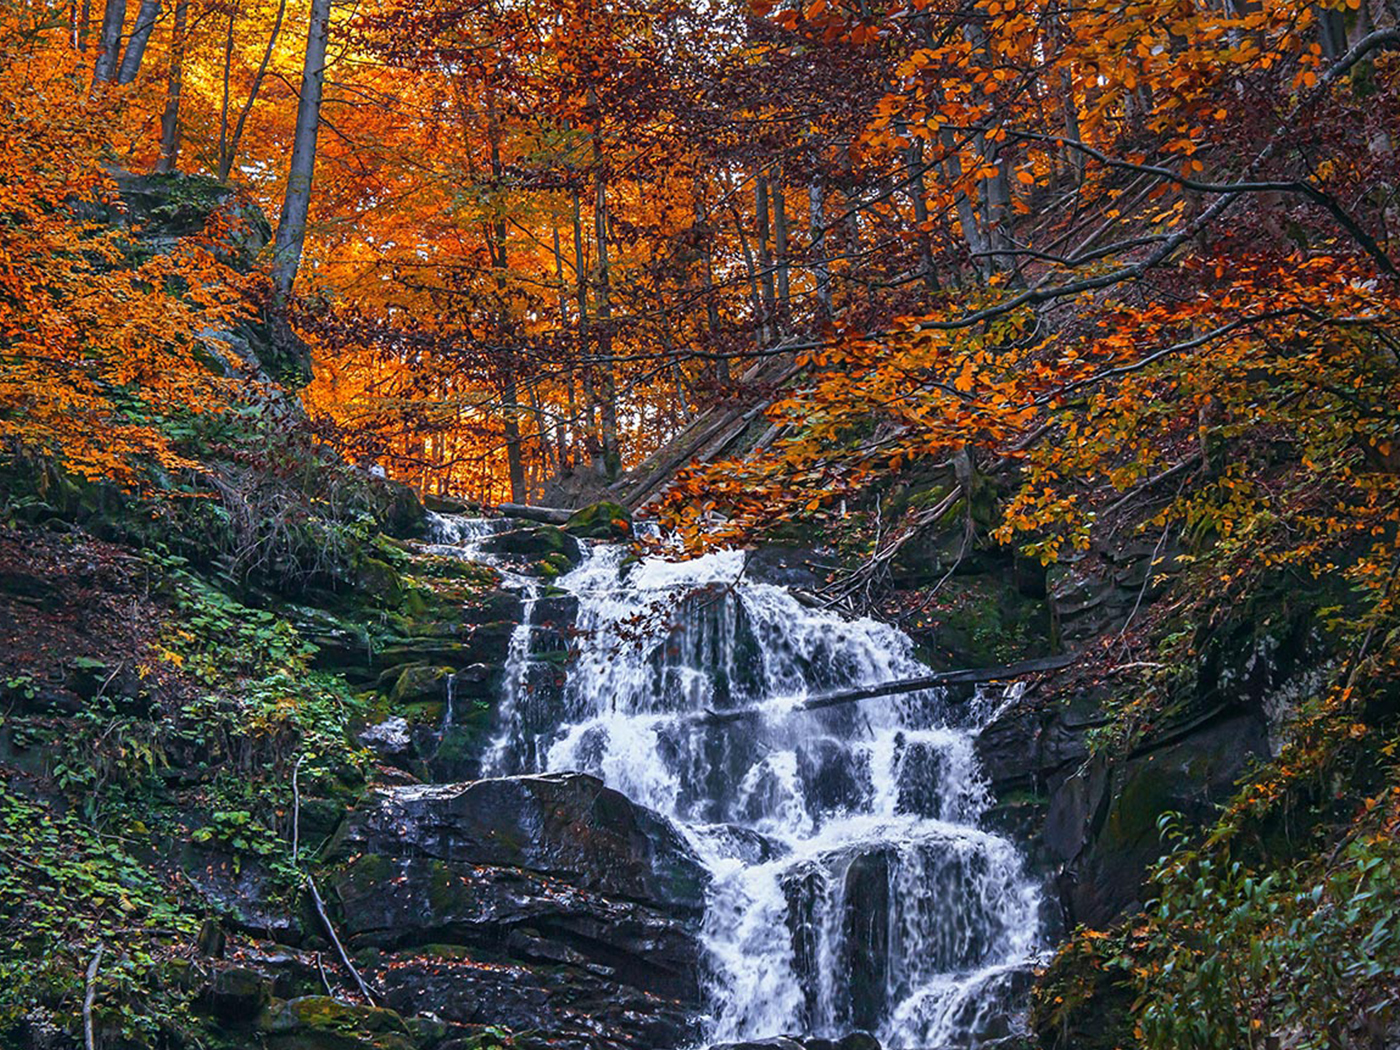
[[780, 246], [291, 227], [590, 399], [765, 259], [612, 458], [228, 86], [110, 45], [702, 220], [816, 246], [146, 16], [226, 157], [170, 116], [80, 31], [914, 170], [566, 431], [498, 233]]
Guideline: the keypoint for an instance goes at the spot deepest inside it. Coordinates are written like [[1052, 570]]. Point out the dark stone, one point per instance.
[[866, 936], [789, 567], [547, 903], [567, 824], [1115, 822], [210, 940], [570, 1006], [317, 1022], [419, 683], [235, 995], [534, 544], [243, 892], [601, 521]]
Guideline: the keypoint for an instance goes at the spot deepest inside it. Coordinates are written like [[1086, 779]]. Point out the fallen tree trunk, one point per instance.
[[548, 515], [904, 685]]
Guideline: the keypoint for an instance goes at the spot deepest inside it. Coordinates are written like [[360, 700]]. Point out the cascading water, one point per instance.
[[853, 887]]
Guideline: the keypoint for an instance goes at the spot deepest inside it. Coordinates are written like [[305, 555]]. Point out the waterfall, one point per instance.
[[854, 887]]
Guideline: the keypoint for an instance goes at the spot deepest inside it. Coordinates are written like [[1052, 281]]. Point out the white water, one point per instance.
[[853, 886]]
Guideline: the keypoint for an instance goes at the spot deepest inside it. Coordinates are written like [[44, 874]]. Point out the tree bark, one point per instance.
[[227, 155], [765, 258], [914, 172], [291, 227], [170, 116], [780, 248], [607, 394], [906, 685], [816, 246], [110, 44], [590, 399], [146, 16]]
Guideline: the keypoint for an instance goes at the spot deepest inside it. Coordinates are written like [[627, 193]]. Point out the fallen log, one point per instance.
[[904, 685], [548, 515]]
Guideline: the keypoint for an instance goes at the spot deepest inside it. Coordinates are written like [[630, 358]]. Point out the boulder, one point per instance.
[[547, 903], [316, 1022], [600, 521], [1117, 824], [534, 544], [234, 995]]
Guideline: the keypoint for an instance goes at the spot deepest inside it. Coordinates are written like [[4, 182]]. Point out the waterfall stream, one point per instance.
[[854, 886]]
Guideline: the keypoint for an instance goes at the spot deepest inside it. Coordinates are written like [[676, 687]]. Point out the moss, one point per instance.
[[554, 565], [420, 682], [601, 521], [380, 581], [445, 886], [979, 621], [320, 1023]]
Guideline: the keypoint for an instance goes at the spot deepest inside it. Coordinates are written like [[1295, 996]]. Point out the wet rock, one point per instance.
[[797, 567], [420, 683], [1117, 823], [601, 521], [752, 847], [565, 1005], [317, 1022], [549, 903], [1097, 592], [854, 1041], [234, 996], [389, 739], [866, 936], [243, 892], [1025, 745], [534, 544], [832, 774], [921, 780]]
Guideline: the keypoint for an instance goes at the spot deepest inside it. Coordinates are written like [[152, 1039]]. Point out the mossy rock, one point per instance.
[[975, 621], [379, 581], [420, 683], [601, 521], [317, 1022], [555, 565]]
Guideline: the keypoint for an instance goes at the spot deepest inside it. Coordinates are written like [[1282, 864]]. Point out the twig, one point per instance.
[[1146, 580], [340, 948], [296, 809], [90, 995]]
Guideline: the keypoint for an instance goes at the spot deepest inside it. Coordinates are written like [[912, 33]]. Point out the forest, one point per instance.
[[389, 390]]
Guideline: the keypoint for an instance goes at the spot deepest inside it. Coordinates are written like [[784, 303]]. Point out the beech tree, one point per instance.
[[296, 201]]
